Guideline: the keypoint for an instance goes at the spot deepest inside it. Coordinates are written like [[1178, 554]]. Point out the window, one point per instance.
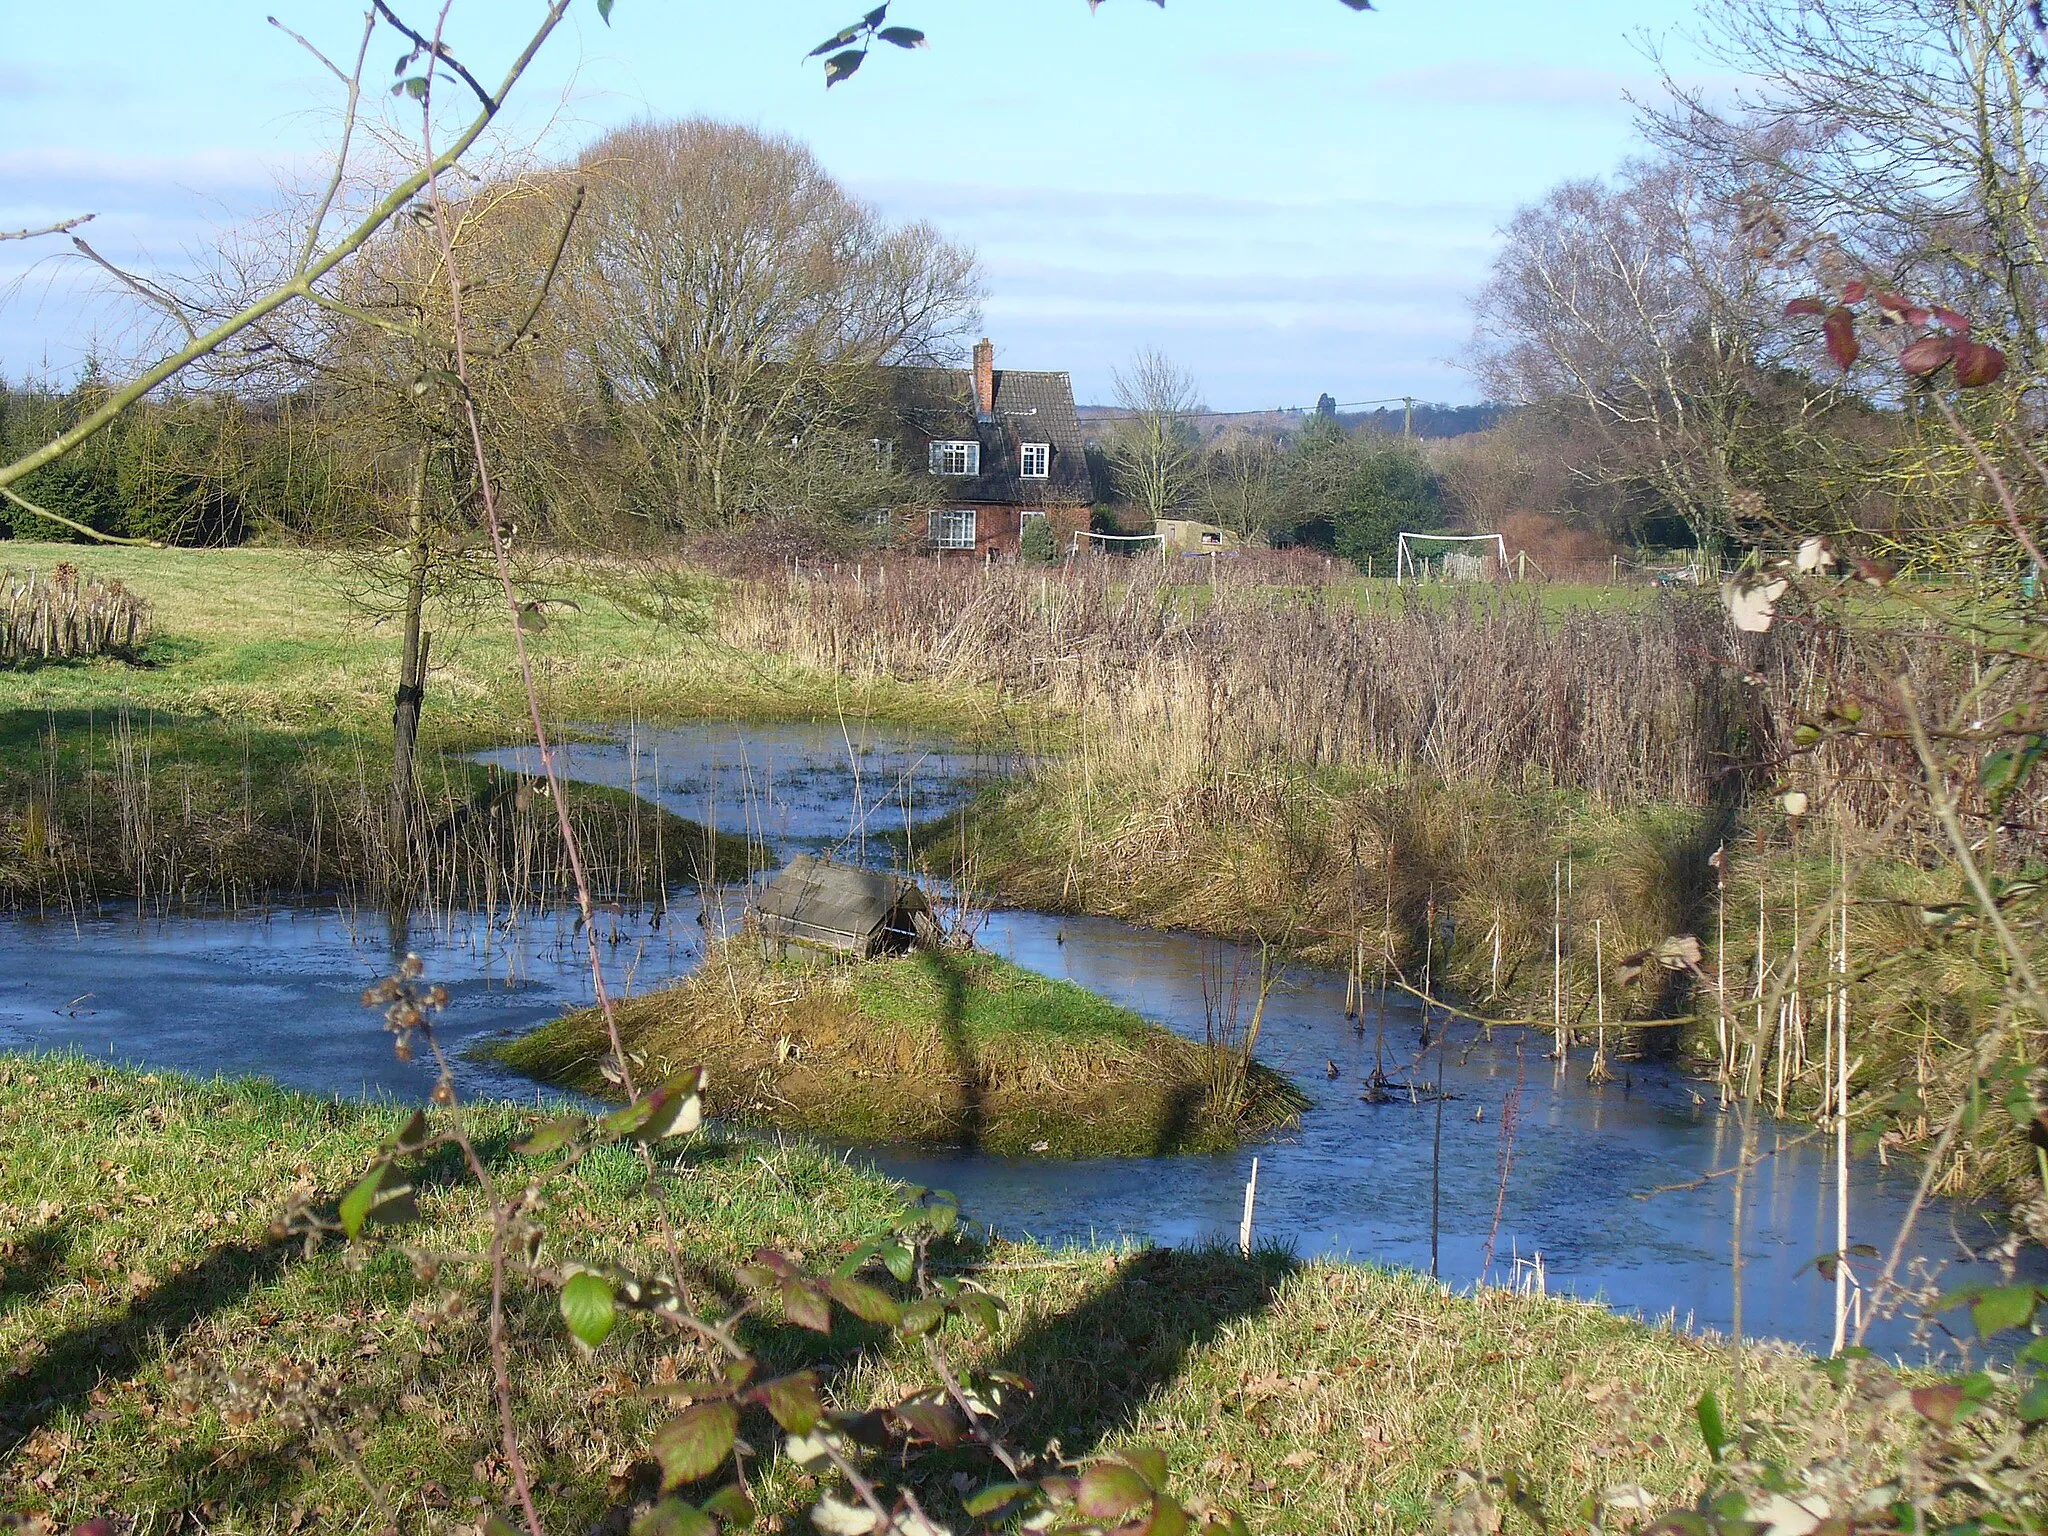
[[1037, 461], [885, 453], [953, 530], [956, 457]]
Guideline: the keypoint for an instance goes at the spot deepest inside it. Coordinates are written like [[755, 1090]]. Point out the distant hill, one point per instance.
[[1430, 420]]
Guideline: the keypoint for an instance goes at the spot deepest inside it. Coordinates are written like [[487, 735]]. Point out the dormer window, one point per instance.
[[1037, 461], [958, 456]]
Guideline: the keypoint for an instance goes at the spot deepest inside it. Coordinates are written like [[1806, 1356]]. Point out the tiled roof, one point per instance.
[[937, 404]]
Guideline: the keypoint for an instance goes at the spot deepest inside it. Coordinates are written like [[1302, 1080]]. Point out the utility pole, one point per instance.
[[1407, 415]]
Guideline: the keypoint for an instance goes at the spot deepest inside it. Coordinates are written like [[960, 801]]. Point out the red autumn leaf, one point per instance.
[[1804, 307], [1939, 1404], [1854, 293], [1918, 318], [1840, 329], [1930, 354], [1978, 363], [1952, 320]]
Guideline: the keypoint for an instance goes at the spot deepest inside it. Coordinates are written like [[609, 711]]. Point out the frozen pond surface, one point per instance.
[[278, 994]]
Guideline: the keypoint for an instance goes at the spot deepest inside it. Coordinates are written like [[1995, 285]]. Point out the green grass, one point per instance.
[[994, 999], [942, 1049], [170, 1362]]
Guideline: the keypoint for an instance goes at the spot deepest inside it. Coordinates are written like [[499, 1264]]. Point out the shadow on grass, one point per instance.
[[36, 1264], [74, 1362], [973, 1121], [1097, 1365]]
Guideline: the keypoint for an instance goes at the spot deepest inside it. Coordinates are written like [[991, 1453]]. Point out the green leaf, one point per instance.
[[922, 1317], [676, 1108], [930, 1421], [2010, 1306], [794, 1401], [1168, 1519], [588, 1307], [673, 1517], [552, 1136], [604, 14], [1110, 1490], [805, 1305], [415, 1133], [984, 1309], [842, 65], [2034, 1402], [696, 1444], [1001, 1495], [496, 1524], [731, 1506], [903, 37], [1713, 1428], [1148, 1464], [900, 1260], [1228, 1522], [838, 39], [355, 1205], [864, 1301]]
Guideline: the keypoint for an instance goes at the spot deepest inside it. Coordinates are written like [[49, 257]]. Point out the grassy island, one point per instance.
[[933, 1049]]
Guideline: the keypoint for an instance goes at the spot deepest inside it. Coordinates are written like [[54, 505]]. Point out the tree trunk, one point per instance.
[[402, 814]]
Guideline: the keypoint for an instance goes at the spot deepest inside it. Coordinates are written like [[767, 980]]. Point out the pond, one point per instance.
[[1609, 1193]]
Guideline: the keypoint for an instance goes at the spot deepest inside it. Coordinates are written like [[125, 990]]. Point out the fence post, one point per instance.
[[1244, 1228]]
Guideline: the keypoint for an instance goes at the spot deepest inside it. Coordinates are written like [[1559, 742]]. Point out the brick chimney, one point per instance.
[[985, 379]]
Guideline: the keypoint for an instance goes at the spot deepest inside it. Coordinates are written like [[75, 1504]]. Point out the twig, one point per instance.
[[147, 291], [63, 227], [79, 528], [435, 49]]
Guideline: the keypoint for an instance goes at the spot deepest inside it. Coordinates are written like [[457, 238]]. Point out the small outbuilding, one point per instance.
[[842, 908]]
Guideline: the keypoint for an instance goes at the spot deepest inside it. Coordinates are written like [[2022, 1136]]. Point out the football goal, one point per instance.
[[1449, 556], [1121, 543]]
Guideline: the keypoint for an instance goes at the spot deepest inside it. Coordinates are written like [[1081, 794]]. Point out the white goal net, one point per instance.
[[1450, 557]]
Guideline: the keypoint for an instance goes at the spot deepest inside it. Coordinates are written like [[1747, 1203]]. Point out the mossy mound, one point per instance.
[[938, 1049]]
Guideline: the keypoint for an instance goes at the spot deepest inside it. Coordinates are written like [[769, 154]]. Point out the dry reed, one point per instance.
[[66, 615]]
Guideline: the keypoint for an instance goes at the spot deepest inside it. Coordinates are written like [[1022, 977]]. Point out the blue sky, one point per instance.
[[1284, 196]]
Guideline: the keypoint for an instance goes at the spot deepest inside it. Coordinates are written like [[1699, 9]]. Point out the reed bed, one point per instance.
[[1630, 707], [68, 615], [168, 813]]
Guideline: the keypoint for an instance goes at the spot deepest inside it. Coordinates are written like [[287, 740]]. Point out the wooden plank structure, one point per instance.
[[842, 908]]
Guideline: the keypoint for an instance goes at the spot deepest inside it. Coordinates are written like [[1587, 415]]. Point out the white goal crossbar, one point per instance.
[[1407, 567]]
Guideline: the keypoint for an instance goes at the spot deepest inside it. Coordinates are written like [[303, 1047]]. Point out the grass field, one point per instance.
[[170, 1361], [945, 1049]]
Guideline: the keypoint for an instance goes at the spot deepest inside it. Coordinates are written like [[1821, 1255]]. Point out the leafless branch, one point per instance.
[[62, 227]]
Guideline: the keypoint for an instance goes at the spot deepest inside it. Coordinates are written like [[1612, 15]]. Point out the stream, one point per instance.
[[1607, 1193]]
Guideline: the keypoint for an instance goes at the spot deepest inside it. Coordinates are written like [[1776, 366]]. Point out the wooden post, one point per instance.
[[1251, 1195]]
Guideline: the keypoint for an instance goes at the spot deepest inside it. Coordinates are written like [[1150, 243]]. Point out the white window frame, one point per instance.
[[959, 457], [953, 528], [885, 453], [1039, 454]]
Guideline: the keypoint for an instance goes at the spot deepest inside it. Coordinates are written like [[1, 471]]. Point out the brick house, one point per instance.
[[995, 447]]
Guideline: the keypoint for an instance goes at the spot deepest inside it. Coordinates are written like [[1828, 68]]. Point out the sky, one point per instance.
[[1284, 196]]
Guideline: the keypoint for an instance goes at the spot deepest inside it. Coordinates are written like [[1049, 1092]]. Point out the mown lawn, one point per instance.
[[167, 1359]]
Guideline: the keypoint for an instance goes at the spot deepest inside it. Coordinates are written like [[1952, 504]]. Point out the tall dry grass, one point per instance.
[[1629, 707]]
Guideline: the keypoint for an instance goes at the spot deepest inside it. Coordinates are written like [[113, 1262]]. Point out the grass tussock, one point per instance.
[[171, 1363], [937, 1049]]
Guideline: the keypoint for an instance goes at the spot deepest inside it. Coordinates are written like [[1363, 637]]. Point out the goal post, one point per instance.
[[1464, 561]]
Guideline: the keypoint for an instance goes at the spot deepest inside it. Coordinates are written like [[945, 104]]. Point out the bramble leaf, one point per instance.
[[695, 1444], [793, 1400], [1110, 1490], [864, 1301], [2010, 1306], [674, 1517], [588, 1307]]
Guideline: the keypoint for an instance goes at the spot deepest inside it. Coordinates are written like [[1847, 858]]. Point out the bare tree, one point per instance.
[[1241, 487], [1641, 303], [735, 302], [1152, 450]]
